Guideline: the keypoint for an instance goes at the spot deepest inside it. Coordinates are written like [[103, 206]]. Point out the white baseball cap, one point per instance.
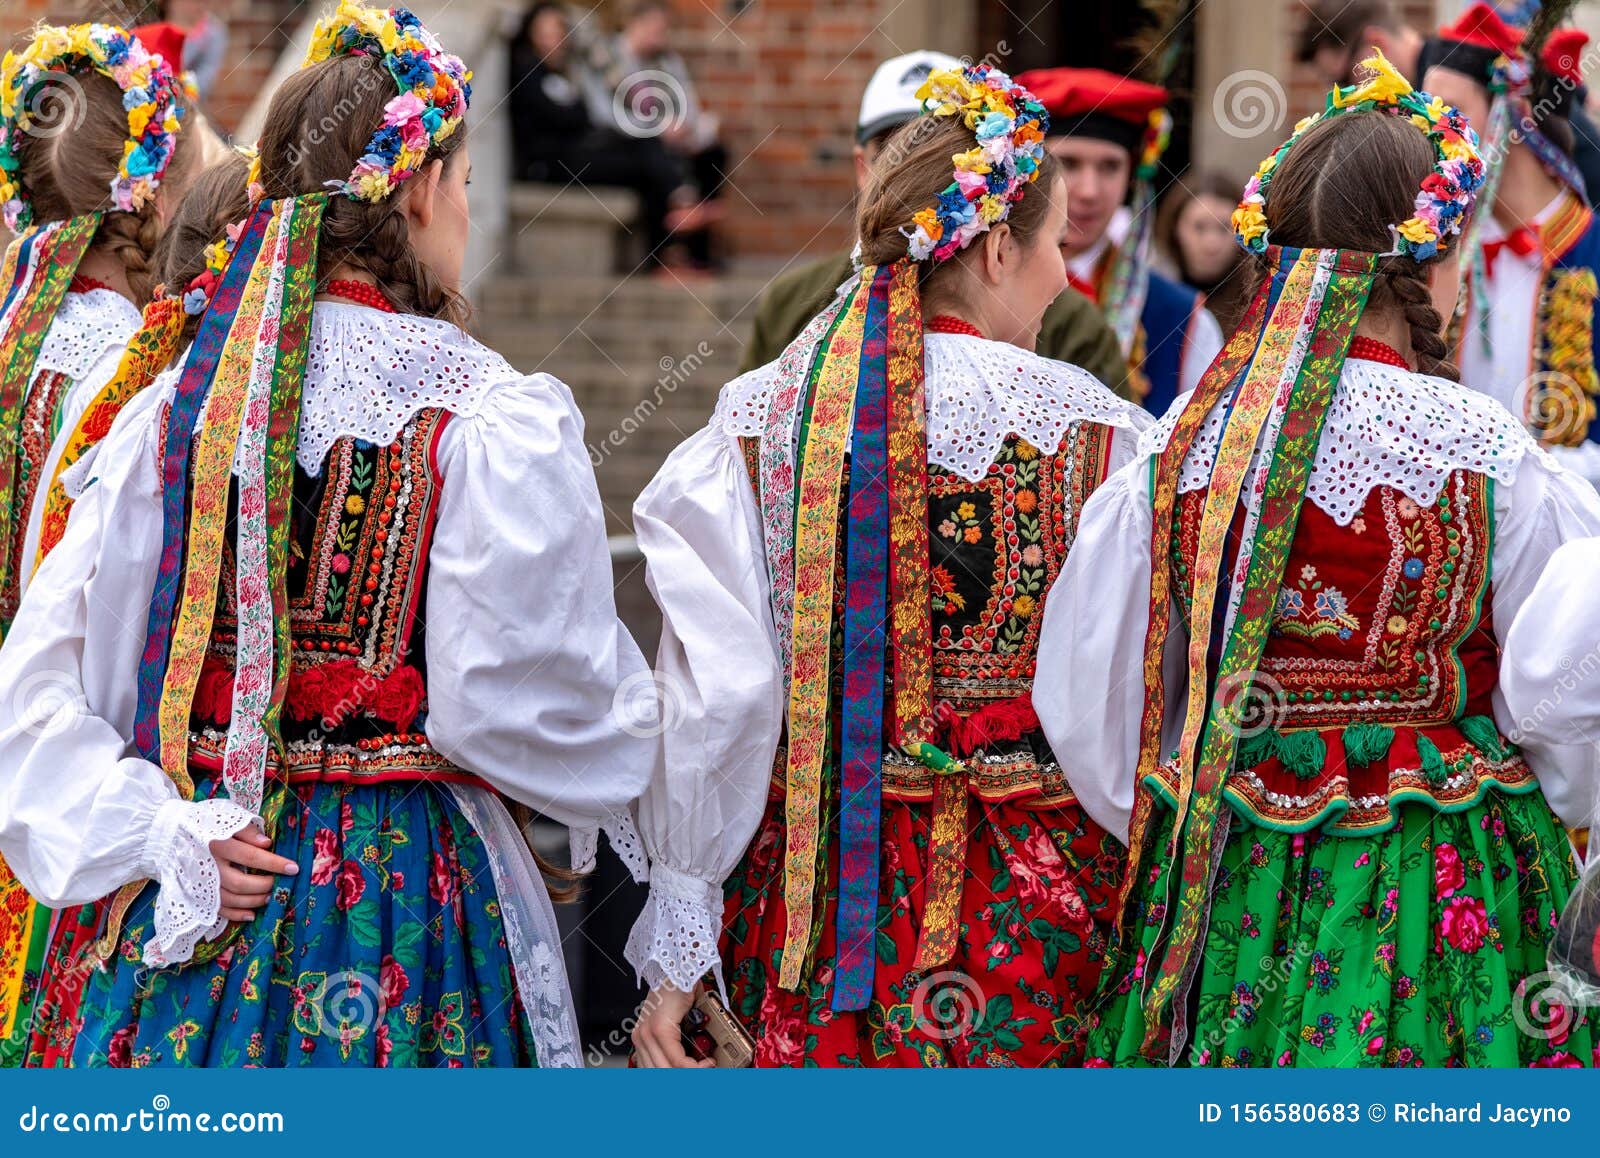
[[891, 96]]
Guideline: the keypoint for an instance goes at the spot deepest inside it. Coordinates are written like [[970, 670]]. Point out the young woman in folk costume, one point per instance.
[[1336, 856], [850, 562], [93, 153], [328, 669], [187, 258], [1527, 328]]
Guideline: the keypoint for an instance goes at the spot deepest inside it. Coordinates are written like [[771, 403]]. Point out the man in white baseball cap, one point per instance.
[[794, 299]]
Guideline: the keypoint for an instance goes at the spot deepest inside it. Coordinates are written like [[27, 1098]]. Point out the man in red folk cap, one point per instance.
[[1527, 331], [1108, 131]]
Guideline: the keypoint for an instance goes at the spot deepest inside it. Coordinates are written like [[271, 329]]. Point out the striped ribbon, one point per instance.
[[149, 351], [866, 610], [209, 485], [793, 385], [815, 539], [259, 688], [1289, 384], [33, 305], [193, 386]]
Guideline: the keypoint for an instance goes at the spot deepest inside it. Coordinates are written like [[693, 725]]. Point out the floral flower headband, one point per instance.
[[1446, 193], [435, 89], [1010, 126], [152, 94]]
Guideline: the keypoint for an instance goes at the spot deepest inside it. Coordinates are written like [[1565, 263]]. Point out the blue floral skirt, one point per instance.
[[386, 949]]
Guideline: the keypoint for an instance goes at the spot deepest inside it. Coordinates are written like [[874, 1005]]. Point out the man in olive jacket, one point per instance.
[[1073, 329]]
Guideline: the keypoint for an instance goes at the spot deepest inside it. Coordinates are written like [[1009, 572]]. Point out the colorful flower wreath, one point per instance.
[[1446, 193], [152, 95], [435, 89], [1010, 126]]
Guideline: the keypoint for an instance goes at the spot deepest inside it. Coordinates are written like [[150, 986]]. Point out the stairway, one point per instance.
[[645, 358]]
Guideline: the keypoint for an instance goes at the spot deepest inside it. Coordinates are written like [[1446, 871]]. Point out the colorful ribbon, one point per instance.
[[193, 384], [815, 539], [149, 351], [209, 485], [54, 257], [866, 610], [1287, 387]]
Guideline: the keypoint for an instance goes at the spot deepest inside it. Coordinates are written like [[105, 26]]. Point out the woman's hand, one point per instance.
[[658, 1037], [245, 892]]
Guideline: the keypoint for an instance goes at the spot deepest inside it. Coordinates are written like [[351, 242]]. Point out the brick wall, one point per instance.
[[785, 77]]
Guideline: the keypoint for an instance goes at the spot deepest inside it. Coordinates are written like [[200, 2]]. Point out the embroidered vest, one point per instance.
[[358, 564], [1375, 686], [996, 547]]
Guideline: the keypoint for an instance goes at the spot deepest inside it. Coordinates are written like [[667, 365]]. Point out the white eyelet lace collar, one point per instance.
[[368, 372], [1385, 427], [85, 327], [978, 392]]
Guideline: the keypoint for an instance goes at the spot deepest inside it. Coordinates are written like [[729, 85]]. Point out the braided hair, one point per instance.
[[317, 126], [1340, 187]]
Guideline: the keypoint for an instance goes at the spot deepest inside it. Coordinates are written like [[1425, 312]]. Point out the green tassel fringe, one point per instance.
[[1366, 743], [1257, 748], [1483, 735], [1302, 753], [1433, 769]]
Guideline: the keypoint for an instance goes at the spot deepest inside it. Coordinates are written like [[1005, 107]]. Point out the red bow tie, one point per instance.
[[1522, 242]]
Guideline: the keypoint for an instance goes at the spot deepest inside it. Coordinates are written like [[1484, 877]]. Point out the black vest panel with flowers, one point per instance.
[[358, 564], [996, 546], [1376, 684]]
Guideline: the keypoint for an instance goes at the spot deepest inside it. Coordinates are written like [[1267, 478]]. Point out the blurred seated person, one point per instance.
[[648, 92], [1072, 329], [1195, 242], [555, 141]]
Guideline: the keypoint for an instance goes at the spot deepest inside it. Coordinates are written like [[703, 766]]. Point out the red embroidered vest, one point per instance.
[[1379, 668], [358, 566], [996, 547]]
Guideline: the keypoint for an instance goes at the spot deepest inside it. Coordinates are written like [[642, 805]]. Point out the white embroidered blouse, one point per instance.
[[1386, 426], [699, 526], [525, 658]]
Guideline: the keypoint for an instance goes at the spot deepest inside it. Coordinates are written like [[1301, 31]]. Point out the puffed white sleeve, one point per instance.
[[1546, 619], [1089, 686], [722, 688], [534, 684], [81, 814]]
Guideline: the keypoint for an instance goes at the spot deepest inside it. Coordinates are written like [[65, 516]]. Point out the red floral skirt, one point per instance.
[[1036, 912]]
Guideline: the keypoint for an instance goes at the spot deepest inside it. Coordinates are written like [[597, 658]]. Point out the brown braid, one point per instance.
[[317, 126], [1403, 283], [1341, 187], [131, 238]]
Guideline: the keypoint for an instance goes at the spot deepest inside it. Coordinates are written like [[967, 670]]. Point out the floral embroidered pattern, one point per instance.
[[1413, 947], [1308, 609], [366, 957], [356, 700]]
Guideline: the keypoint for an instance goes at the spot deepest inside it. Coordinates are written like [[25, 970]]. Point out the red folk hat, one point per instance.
[[165, 40], [1091, 102], [1563, 54], [1470, 44]]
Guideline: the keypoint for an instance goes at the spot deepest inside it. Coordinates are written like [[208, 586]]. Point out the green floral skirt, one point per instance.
[[1420, 946]]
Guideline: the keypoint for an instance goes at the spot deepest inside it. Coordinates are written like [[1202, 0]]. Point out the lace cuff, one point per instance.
[[675, 938], [625, 842], [177, 856]]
